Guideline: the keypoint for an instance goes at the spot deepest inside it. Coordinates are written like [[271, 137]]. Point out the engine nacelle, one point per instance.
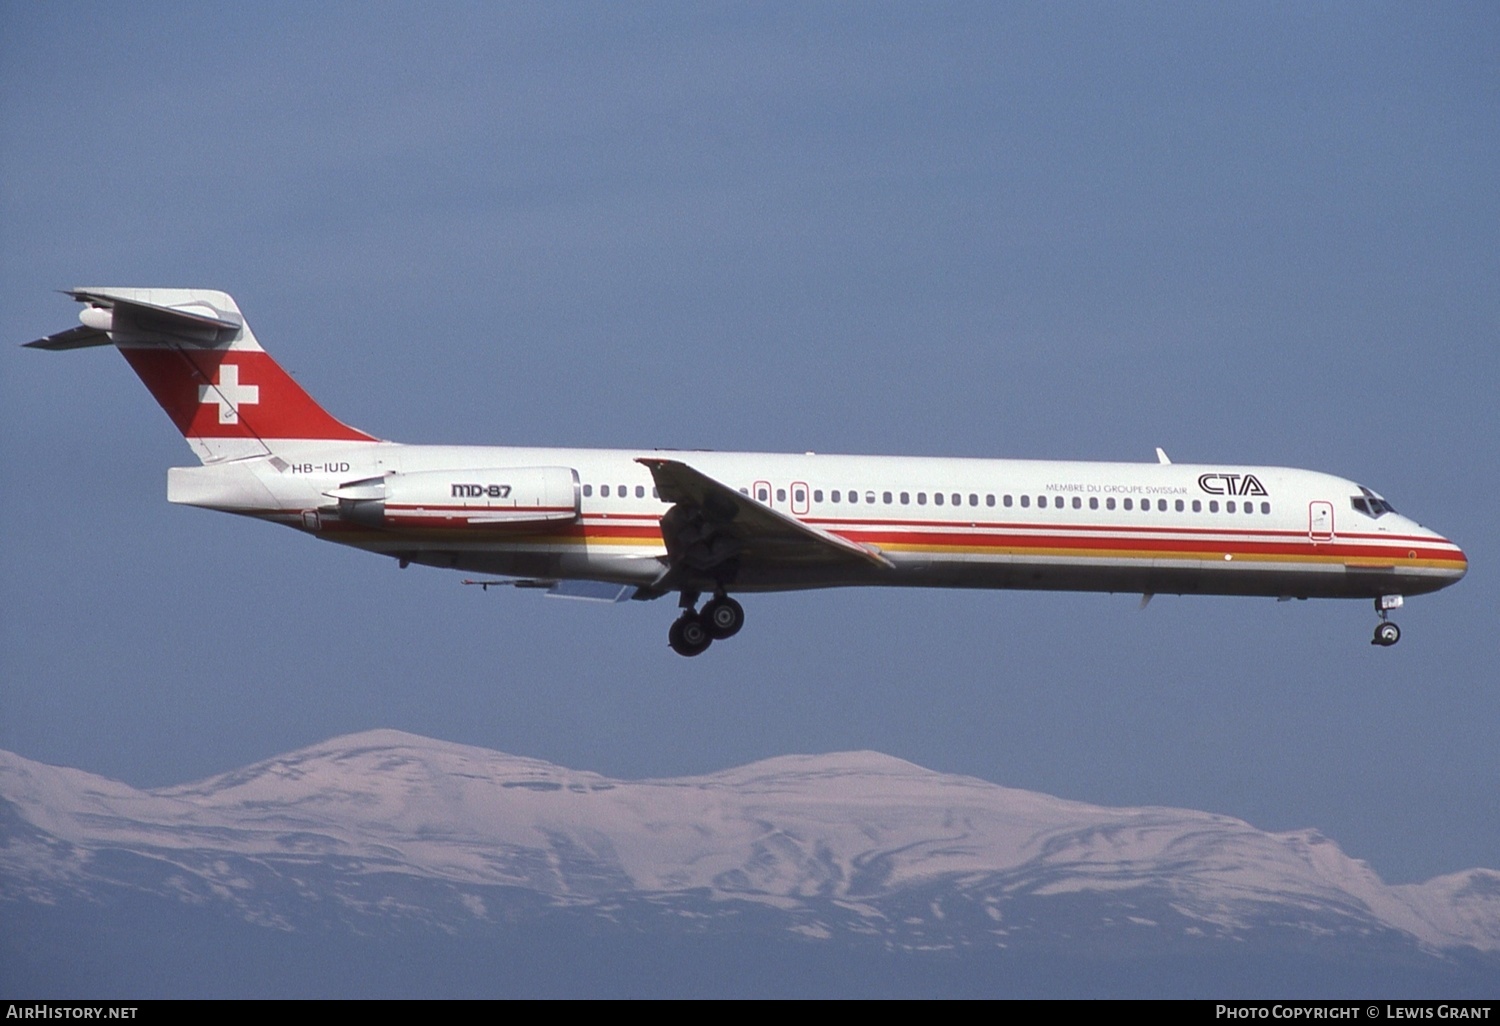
[[478, 499]]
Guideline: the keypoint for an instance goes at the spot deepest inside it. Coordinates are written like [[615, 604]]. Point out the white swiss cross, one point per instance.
[[229, 394]]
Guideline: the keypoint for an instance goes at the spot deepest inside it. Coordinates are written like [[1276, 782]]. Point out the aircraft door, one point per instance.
[[1320, 521], [800, 501]]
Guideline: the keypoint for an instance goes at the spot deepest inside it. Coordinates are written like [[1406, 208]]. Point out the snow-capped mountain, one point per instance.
[[386, 827]]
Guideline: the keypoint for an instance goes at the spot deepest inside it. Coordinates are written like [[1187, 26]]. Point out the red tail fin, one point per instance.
[[198, 357], [233, 393]]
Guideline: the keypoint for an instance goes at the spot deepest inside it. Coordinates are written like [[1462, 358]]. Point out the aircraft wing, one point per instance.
[[711, 523]]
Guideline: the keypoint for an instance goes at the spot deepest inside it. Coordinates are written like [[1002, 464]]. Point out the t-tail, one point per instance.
[[198, 357]]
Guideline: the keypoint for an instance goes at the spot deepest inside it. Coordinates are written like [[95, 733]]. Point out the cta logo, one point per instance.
[[479, 491], [1231, 484]]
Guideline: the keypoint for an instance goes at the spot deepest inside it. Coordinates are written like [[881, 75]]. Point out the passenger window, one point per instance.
[[1006, 500], [906, 498], [1093, 502], [937, 497], [1213, 505], [817, 495], [1077, 502], [1161, 505], [799, 496], [743, 491], [989, 500], [640, 491], [763, 494], [1265, 507], [656, 495], [921, 498], [1025, 501], [973, 499], [588, 490], [1229, 506], [1110, 503], [781, 495], [835, 495], [870, 497], [1041, 502], [604, 491], [958, 500], [888, 498], [1179, 505], [853, 496], [1129, 504], [1197, 506]]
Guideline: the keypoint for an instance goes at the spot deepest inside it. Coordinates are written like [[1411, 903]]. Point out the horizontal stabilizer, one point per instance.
[[80, 337], [192, 318]]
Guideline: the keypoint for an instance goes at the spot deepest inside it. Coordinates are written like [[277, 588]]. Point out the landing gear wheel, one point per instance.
[[1386, 634], [723, 617], [689, 636]]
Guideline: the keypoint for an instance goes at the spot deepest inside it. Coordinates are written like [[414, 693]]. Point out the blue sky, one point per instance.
[[1247, 233]]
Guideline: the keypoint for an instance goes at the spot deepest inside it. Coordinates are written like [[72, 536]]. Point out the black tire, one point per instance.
[[723, 618], [688, 636], [1387, 634]]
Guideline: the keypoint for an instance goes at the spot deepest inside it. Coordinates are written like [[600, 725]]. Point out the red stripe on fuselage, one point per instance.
[[1284, 545]]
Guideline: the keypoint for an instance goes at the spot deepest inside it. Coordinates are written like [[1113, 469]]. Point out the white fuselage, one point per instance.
[[583, 522], [961, 523]]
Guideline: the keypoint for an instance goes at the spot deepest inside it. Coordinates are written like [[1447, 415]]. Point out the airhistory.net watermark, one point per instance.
[[59, 1010]]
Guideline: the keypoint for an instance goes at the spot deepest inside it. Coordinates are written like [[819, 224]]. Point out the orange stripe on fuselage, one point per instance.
[[1014, 540]]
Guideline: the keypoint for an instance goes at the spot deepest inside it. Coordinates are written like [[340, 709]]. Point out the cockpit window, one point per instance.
[[1370, 504]]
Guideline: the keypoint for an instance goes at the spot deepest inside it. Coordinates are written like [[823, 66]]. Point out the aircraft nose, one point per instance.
[[1457, 564]]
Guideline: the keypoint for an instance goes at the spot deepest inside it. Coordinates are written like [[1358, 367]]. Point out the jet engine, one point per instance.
[[486, 498]]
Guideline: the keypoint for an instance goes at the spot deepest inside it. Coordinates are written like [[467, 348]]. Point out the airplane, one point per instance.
[[615, 524]]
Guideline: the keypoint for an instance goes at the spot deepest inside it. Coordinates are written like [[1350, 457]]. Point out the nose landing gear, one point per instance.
[[1386, 632], [694, 631]]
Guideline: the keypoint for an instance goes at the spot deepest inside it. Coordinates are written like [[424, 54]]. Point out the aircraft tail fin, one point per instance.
[[196, 355]]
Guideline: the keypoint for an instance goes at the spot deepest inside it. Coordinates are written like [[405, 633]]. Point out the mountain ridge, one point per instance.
[[862, 830]]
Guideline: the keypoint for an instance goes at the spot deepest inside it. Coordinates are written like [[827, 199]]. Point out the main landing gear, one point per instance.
[[1386, 632], [693, 631]]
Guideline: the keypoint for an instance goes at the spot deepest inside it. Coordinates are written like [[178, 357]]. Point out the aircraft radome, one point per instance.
[[615, 524]]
